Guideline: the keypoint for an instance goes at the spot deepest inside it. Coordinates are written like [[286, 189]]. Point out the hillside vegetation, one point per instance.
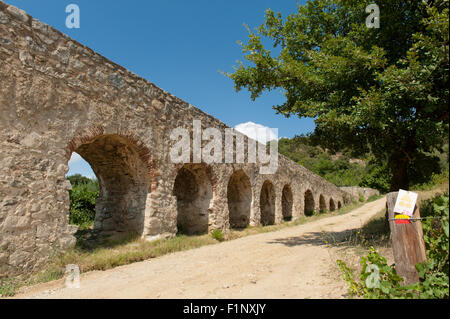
[[342, 168]]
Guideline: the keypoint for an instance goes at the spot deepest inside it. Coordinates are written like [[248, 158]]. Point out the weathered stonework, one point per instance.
[[58, 96], [355, 192]]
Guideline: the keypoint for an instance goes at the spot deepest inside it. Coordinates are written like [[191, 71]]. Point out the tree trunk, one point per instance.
[[400, 178]]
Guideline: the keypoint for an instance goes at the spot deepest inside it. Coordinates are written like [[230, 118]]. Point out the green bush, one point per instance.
[[83, 197], [435, 180], [377, 280], [217, 234], [434, 273], [378, 176]]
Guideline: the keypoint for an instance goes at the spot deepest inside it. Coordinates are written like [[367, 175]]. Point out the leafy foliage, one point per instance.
[[380, 90], [378, 176], [377, 280], [435, 272], [217, 234], [435, 179], [339, 171], [83, 197], [343, 169]]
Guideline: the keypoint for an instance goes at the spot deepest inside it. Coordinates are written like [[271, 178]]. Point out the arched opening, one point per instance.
[[287, 202], [239, 195], [83, 195], [332, 205], [309, 203], [124, 182], [267, 204], [339, 205], [193, 191], [322, 204]]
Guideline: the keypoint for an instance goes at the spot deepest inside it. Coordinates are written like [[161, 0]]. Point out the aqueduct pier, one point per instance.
[[58, 97]]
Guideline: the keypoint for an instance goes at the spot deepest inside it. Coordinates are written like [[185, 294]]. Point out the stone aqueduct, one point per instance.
[[58, 96]]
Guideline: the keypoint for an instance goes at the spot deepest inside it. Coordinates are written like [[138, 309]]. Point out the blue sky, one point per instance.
[[180, 46]]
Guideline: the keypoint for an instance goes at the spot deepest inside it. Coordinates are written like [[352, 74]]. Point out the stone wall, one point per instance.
[[355, 192], [58, 97]]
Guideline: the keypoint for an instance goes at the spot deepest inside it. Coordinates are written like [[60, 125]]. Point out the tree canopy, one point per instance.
[[383, 90]]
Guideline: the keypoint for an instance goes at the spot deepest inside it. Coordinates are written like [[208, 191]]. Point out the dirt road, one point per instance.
[[290, 263]]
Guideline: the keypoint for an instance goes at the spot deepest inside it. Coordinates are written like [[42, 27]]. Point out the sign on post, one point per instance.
[[404, 206], [407, 239]]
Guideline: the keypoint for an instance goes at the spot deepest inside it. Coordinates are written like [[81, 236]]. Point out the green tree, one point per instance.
[[78, 179], [83, 198], [383, 91]]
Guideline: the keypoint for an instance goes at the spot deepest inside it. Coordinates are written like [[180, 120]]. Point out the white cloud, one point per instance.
[[258, 132], [77, 165], [75, 158]]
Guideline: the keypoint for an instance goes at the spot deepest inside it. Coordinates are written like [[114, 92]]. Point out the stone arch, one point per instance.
[[122, 166], [239, 195], [339, 204], [332, 205], [193, 191], [309, 203], [267, 203], [322, 204], [287, 202]]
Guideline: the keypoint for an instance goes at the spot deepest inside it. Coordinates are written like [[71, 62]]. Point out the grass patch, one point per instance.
[[95, 253], [8, 287], [217, 235], [373, 198]]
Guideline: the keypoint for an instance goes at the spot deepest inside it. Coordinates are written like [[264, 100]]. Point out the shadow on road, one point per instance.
[[318, 238]]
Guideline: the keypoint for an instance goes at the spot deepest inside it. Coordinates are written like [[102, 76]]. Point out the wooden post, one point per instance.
[[407, 242]]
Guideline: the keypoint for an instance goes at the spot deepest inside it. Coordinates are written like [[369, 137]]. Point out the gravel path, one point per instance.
[[289, 263]]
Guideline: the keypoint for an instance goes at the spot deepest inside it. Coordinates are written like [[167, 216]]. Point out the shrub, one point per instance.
[[378, 176], [217, 234], [435, 180], [434, 273], [379, 280], [83, 197]]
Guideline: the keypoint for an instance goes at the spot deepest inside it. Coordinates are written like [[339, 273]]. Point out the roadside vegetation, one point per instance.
[[374, 237], [376, 279], [83, 196]]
